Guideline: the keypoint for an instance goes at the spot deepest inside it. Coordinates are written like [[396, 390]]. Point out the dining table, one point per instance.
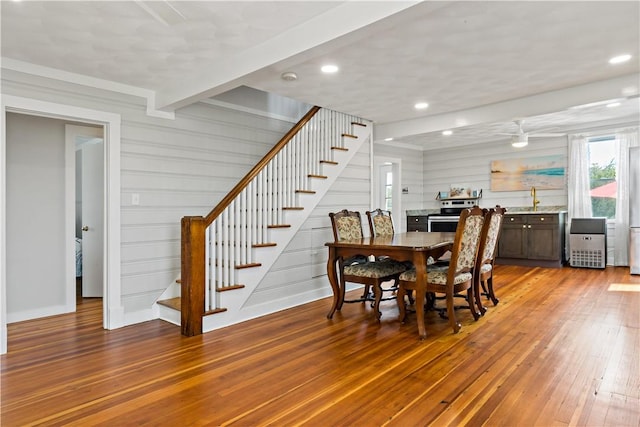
[[416, 247]]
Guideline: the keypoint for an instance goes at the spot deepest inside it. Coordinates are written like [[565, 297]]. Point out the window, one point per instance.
[[388, 191], [602, 176]]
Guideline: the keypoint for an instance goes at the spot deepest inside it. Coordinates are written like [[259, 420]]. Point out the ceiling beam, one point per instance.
[[222, 76]]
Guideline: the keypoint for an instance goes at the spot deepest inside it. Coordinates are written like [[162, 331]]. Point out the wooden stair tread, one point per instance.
[[348, 135], [214, 311], [293, 208], [340, 148], [328, 162], [317, 176], [263, 245], [251, 265], [229, 288], [171, 303], [358, 124], [306, 191], [175, 303], [279, 226]]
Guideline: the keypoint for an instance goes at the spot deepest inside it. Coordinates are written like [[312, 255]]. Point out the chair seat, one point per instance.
[[436, 275], [375, 270]]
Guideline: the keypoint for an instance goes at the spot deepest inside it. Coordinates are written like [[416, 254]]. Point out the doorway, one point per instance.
[[387, 182], [113, 312]]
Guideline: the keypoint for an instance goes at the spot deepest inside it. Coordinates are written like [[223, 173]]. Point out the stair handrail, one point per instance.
[[193, 233], [226, 201]]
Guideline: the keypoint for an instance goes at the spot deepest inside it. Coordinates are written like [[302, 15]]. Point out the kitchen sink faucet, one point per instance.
[[535, 201]]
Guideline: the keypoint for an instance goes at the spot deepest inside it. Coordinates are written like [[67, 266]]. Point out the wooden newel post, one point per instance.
[[192, 275]]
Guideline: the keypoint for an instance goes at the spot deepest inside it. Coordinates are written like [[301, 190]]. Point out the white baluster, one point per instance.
[[207, 269]]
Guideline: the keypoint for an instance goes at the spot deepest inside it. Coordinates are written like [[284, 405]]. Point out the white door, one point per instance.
[[92, 219], [89, 142]]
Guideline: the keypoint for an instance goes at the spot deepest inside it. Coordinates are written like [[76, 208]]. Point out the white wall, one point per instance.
[[35, 212], [471, 165]]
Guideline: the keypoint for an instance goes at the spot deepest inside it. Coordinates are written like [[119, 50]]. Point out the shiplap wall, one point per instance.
[[300, 273], [177, 167], [471, 165]]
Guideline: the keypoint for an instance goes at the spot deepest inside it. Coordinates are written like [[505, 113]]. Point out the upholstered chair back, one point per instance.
[[469, 240], [380, 223], [495, 222], [346, 225]]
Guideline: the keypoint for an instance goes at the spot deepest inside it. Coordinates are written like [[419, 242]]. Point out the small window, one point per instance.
[[602, 173], [388, 191]]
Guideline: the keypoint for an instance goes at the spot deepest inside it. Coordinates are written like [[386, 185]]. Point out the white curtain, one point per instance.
[[578, 182], [624, 139]]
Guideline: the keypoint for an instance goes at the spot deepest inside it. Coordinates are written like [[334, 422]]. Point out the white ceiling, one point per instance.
[[478, 64]]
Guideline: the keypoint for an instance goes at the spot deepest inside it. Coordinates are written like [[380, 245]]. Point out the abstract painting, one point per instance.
[[544, 173]]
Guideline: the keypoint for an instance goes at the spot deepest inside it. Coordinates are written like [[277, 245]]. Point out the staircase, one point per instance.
[[226, 254]]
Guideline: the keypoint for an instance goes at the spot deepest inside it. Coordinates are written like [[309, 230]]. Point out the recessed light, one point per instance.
[[620, 59], [613, 104], [388, 139], [330, 68], [447, 132], [421, 105]]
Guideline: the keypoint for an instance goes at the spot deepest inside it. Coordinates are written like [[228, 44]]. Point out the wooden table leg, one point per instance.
[[333, 280], [420, 264]]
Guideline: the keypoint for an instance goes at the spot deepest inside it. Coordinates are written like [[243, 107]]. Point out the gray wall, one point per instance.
[[177, 167], [35, 213], [302, 267], [471, 165]]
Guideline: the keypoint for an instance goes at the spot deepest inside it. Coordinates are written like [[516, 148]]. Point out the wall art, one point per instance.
[[544, 173]]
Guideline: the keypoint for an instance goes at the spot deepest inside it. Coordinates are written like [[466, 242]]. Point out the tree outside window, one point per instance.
[[603, 183]]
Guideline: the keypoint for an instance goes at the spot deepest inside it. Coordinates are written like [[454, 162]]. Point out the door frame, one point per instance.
[[396, 169], [113, 312]]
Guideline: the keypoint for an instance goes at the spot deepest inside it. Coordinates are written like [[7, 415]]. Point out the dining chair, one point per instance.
[[347, 225], [454, 278], [483, 272], [380, 222], [381, 225]]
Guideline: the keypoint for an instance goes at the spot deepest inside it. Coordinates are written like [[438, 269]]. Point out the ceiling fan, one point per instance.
[[521, 139]]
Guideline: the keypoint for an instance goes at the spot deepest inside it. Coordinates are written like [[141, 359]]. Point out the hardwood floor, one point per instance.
[[559, 349]]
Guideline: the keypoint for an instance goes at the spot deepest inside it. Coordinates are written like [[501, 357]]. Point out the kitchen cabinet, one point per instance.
[[536, 239], [417, 223]]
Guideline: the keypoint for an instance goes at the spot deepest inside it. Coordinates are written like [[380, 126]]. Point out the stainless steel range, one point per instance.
[[447, 219]]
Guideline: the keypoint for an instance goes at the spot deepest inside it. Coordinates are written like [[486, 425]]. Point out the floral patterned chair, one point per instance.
[[452, 279], [483, 273], [347, 225], [380, 223]]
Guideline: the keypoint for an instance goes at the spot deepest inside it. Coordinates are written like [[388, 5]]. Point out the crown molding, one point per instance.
[[65, 76]]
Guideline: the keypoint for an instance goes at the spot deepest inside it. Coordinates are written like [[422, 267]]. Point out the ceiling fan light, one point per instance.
[[519, 141]]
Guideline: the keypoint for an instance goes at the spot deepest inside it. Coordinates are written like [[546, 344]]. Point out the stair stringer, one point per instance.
[[234, 300]]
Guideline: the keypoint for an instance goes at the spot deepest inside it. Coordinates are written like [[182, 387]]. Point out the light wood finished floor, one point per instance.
[[560, 349]]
